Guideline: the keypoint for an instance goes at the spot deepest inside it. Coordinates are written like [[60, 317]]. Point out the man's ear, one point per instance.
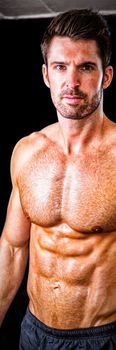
[[45, 75], [108, 76]]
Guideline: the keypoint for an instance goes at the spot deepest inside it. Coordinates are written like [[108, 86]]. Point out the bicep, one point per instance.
[[17, 225]]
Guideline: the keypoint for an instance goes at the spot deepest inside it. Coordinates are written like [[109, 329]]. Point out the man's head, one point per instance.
[[79, 24], [76, 50]]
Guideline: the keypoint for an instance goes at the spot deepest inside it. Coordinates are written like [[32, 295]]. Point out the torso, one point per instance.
[[71, 203]]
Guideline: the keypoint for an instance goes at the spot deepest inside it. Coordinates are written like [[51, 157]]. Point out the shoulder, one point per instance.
[[51, 131], [25, 148], [109, 145], [110, 132], [29, 145], [112, 135]]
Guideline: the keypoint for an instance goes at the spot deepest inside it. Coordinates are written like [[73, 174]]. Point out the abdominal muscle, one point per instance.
[[72, 281]]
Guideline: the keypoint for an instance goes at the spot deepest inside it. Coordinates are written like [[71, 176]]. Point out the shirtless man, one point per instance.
[[63, 202]]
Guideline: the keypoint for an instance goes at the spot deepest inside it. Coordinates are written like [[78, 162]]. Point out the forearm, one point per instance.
[[13, 261]]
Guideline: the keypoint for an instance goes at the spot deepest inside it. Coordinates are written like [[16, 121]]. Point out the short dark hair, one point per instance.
[[80, 24]]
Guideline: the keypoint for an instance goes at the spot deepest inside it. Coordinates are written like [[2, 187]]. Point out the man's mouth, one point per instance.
[[72, 99]]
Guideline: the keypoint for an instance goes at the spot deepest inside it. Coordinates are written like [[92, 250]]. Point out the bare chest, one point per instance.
[[80, 192]]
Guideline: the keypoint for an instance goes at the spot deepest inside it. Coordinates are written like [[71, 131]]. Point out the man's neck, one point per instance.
[[78, 135]]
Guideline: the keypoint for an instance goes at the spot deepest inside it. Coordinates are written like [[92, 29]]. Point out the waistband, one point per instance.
[[103, 330]]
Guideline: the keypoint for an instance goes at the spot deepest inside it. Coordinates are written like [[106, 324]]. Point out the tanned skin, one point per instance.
[[63, 203]]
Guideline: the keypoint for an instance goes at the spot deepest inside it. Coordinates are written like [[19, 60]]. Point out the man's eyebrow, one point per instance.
[[88, 63], [78, 65], [59, 62]]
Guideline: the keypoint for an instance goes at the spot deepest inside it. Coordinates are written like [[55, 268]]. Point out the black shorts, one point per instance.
[[35, 335]]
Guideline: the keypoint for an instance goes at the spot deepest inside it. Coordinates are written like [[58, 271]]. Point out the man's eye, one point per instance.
[[60, 67], [87, 68]]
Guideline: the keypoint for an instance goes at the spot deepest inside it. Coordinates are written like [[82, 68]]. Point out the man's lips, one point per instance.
[[72, 99]]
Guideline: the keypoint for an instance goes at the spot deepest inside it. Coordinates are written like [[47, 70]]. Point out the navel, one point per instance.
[[97, 229]]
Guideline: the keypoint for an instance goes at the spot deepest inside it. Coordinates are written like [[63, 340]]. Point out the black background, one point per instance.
[[26, 107]]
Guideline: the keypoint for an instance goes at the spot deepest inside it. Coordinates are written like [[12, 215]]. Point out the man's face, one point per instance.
[[75, 77]]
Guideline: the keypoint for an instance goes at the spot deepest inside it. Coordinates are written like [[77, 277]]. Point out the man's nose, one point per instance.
[[73, 78]]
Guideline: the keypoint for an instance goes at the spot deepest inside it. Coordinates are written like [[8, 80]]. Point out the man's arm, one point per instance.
[[13, 249], [13, 253]]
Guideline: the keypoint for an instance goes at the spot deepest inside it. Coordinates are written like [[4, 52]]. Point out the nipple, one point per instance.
[[97, 229]]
